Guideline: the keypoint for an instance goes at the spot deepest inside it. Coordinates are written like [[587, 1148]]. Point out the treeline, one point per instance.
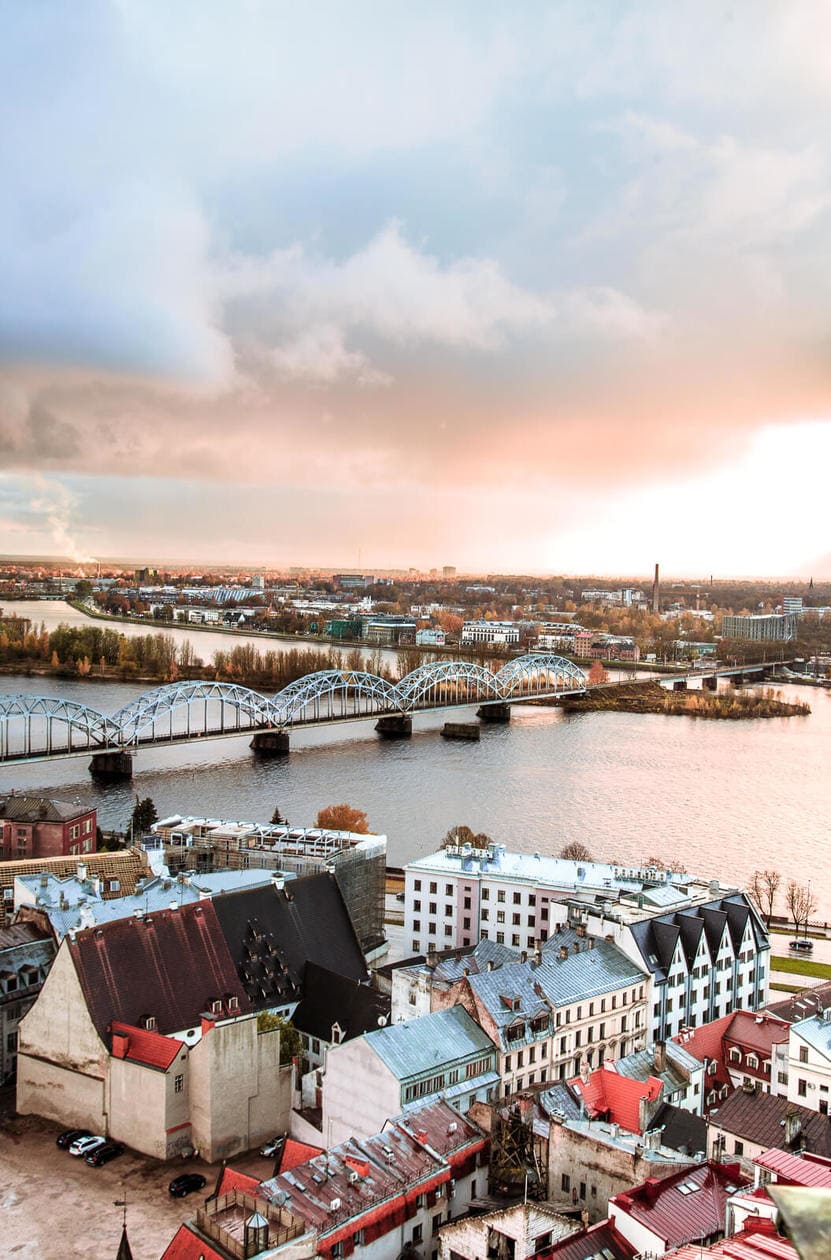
[[95, 651]]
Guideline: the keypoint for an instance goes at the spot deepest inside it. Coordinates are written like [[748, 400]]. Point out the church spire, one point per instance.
[[124, 1252]]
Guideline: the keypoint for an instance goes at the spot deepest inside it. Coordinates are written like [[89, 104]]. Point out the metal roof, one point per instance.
[[816, 1032], [429, 1042]]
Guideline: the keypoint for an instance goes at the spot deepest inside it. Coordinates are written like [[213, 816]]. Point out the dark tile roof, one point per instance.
[[273, 933], [170, 965], [800, 1005], [687, 1206], [329, 998], [30, 809], [656, 937], [759, 1117], [681, 1130]]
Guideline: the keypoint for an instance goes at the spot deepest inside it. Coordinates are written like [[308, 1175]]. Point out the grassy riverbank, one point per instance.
[[651, 697]]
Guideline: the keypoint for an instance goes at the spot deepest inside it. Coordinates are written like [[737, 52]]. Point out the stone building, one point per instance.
[[26, 954]]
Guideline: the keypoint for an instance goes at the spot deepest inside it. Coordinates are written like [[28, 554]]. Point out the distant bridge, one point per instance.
[[37, 728]]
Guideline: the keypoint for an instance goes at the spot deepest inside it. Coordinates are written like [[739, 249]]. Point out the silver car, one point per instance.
[[86, 1144]]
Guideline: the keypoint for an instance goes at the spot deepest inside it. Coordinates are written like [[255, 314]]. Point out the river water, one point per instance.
[[723, 797]]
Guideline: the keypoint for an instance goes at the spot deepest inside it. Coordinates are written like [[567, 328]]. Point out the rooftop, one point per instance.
[[601, 1239], [796, 1170], [761, 1118], [616, 1098], [815, 1031], [330, 998], [419, 1045], [32, 809], [799, 1005], [684, 1207], [142, 1045], [758, 1240]]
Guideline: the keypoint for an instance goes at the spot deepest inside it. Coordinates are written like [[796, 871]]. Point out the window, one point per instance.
[[115, 885], [433, 886], [802, 1089], [417, 904], [432, 907], [178, 1084], [517, 898], [486, 894], [515, 939], [500, 916], [417, 946], [582, 1189], [412, 999], [448, 890], [803, 1054], [823, 1106], [416, 925], [437, 1222], [500, 896], [417, 1230], [467, 903], [466, 924], [738, 1148], [417, 885], [531, 921], [448, 929], [565, 1183], [507, 1063], [485, 913], [516, 920]]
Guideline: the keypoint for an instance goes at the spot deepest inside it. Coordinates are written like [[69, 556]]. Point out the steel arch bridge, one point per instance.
[[34, 728]]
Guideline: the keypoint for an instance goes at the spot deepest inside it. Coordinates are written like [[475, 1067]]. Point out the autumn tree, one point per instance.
[[576, 851], [762, 891], [343, 818], [801, 904], [597, 674]]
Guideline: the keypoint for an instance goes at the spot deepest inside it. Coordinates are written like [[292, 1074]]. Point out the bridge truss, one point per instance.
[[37, 727]]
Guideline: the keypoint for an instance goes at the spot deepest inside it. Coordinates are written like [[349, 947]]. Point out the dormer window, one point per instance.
[[150, 1023], [752, 1061], [233, 1003], [736, 1055], [216, 1007]]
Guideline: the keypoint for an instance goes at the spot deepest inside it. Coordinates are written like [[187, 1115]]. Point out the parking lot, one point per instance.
[[54, 1205]]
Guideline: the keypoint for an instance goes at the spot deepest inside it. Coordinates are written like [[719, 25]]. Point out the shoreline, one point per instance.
[[651, 697]]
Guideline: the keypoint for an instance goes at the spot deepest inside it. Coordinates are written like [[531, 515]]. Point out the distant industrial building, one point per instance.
[[762, 626]]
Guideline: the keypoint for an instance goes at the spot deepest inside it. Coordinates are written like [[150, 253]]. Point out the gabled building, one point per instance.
[[705, 960], [519, 1232], [681, 1075], [144, 1032], [590, 1242], [736, 1049], [689, 1207], [809, 1061], [573, 1004], [26, 954], [379, 1074]]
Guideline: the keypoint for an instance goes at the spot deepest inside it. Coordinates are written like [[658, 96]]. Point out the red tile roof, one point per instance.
[[758, 1240], [233, 1180], [169, 964], [676, 1215], [144, 1046], [796, 1170], [760, 1032], [618, 1097], [295, 1153], [185, 1245], [601, 1239]]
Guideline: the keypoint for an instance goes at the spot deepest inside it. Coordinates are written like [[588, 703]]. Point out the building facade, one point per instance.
[[37, 827]]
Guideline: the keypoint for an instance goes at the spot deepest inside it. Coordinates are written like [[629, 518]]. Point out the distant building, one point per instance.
[[351, 581], [377, 1075], [503, 633], [759, 627], [448, 572], [37, 827], [792, 604], [434, 636]]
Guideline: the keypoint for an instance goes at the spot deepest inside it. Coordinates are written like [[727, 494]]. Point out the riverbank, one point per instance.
[[651, 697]]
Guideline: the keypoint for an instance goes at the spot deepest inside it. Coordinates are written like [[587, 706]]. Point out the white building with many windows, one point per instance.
[[809, 1058], [482, 631]]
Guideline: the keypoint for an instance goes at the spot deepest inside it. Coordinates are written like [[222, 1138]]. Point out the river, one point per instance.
[[723, 797]]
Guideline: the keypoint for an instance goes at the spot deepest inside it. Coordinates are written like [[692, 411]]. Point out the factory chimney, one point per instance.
[[656, 592]]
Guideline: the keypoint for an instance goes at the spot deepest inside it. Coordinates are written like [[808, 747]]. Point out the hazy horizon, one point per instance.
[[540, 289]]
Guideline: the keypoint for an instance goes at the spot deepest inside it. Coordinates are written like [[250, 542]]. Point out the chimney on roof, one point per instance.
[[432, 958], [537, 956], [660, 1056], [575, 947], [580, 929], [44, 879], [490, 964], [793, 1127], [523, 957], [82, 871], [562, 953], [591, 942]]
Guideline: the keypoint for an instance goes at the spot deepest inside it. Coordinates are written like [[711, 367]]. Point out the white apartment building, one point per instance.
[[482, 631], [704, 947], [809, 1059]]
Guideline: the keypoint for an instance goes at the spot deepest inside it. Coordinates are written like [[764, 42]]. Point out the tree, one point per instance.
[[762, 891], [457, 836], [801, 904], [597, 674], [575, 851], [343, 818], [277, 818], [143, 816], [291, 1045]]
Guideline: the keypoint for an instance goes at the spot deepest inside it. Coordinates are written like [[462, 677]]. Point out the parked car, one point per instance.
[[103, 1154], [186, 1184], [83, 1146], [64, 1140], [271, 1148]]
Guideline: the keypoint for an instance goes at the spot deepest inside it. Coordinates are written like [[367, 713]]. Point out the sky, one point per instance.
[[539, 287]]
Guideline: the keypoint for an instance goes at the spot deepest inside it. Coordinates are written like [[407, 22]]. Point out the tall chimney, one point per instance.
[[660, 1057], [656, 592]]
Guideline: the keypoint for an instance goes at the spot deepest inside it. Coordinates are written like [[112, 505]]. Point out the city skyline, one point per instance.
[[541, 291]]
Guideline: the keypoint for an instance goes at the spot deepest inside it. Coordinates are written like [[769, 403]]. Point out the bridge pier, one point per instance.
[[461, 730], [111, 767], [497, 712], [394, 726], [271, 744]]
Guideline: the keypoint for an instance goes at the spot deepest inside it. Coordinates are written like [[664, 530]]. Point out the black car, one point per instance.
[[65, 1140], [103, 1154], [186, 1184]]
